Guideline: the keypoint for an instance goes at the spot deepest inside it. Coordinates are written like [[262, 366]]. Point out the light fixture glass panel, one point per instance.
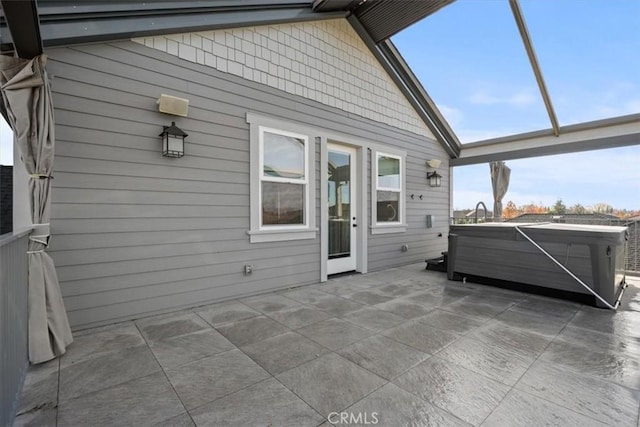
[[283, 156], [175, 143]]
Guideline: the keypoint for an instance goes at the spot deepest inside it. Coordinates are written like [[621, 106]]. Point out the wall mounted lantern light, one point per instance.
[[434, 178], [173, 141]]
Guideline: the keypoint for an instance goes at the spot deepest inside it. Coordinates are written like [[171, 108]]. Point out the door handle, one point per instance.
[[354, 225]]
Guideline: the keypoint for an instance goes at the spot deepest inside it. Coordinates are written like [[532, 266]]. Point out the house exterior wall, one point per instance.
[[135, 233], [324, 61]]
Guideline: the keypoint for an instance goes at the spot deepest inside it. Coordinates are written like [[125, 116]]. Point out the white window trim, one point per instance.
[[274, 233], [399, 226]]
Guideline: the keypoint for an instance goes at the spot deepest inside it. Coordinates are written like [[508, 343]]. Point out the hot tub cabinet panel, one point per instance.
[[595, 254]]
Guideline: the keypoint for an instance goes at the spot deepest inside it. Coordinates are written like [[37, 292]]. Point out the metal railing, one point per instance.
[[13, 321]]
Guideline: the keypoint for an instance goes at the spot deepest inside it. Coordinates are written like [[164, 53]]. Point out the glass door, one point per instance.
[[342, 209]]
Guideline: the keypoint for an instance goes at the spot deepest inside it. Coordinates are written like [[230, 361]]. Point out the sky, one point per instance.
[[477, 72]]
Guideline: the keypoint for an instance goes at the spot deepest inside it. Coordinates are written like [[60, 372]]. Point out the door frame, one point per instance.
[[362, 213]]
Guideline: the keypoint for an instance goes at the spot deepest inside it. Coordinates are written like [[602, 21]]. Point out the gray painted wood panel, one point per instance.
[[136, 233]]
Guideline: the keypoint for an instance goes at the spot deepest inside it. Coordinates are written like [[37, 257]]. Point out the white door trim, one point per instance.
[[360, 162]]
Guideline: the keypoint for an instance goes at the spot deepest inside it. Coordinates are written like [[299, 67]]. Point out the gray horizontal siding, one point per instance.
[[136, 233]]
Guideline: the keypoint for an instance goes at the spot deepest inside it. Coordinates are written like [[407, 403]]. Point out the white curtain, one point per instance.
[[26, 104], [500, 174]]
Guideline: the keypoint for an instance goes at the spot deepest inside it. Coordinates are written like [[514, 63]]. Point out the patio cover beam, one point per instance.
[[63, 22], [533, 59], [21, 18], [596, 135]]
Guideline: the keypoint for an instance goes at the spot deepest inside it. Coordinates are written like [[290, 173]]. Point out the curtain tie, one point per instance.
[[40, 176], [41, 233]]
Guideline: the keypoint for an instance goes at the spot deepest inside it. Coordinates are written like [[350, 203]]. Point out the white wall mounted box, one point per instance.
[[173, 105]]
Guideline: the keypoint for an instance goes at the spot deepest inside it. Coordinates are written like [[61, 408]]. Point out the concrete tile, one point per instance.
[[143, 401], [163, 327], [404, 308], [268, 303], [432, 299], [182, 420], [305, 295], [297, 317], [375, 320], [522, 341], [330, 383], [284, 352], [336, 305], [623, 369], [391, 406], [226, 312], [106, 371], [334, 333], [466, 394], [530, 321], [497, 300], [188, 348], [249, 331], [468, 308], [98, 341], [523, 409], [267, 403], [341, 286], [624, 323], [551, 307], [495, 361], [45, 417], [391, 275], [398, 289], [605, 341], [595, 398], [39, 390], [368, 297], [446, 321], [383, 356], [214, 377], [420, 336]]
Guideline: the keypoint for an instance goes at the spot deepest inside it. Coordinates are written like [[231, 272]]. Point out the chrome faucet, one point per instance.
[[485, 212]]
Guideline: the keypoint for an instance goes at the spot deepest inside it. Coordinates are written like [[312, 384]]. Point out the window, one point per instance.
[[388, 209], [283, 186], [282, 182]]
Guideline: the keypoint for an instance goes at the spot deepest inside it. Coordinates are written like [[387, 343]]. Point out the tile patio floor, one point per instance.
[[401, 347]]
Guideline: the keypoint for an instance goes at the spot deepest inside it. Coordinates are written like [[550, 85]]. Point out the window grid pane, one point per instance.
[[388, 172], [283, 203], [388, 206], [283, 156]]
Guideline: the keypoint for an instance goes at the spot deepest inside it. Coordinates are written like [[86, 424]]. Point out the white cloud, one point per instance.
[[521, 98]]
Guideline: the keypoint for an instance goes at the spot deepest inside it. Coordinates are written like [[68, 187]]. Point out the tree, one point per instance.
[[578, 209], [603, 207], [510, 210], [559, 208], [534, 208]]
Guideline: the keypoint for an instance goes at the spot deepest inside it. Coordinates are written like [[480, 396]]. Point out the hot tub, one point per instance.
[[498, 251]]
